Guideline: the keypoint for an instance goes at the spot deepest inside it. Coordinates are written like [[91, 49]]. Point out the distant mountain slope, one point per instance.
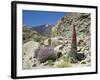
[[44, 30], [29, 34]]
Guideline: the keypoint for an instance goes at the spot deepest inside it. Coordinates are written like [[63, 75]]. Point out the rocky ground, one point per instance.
[[52, 52]]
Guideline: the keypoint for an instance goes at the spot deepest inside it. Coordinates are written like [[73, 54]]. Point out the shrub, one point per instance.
[[46, 53]]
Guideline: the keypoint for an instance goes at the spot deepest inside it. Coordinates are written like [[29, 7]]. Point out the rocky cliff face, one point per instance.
[[83, 23], [81, 20]]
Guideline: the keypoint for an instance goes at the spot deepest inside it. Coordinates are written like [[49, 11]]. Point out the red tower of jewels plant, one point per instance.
[[74, 39], [73, 52]]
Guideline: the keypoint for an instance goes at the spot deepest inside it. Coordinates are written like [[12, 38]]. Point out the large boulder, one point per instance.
[[28, 54]]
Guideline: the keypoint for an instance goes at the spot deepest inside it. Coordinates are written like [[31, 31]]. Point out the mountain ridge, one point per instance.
[[44, 30]]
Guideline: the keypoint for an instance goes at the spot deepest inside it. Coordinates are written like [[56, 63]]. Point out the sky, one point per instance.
[[35, 18]]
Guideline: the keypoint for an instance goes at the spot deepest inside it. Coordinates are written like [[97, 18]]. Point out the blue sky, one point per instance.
[[35, 18]]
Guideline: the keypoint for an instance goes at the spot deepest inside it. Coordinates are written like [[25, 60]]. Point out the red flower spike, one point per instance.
[[73, 54], [74, 39]]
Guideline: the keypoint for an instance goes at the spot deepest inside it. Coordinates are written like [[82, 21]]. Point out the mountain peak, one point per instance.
[[44, 30]]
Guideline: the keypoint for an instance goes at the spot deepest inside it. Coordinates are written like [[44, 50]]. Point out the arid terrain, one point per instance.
[[60, 45]]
